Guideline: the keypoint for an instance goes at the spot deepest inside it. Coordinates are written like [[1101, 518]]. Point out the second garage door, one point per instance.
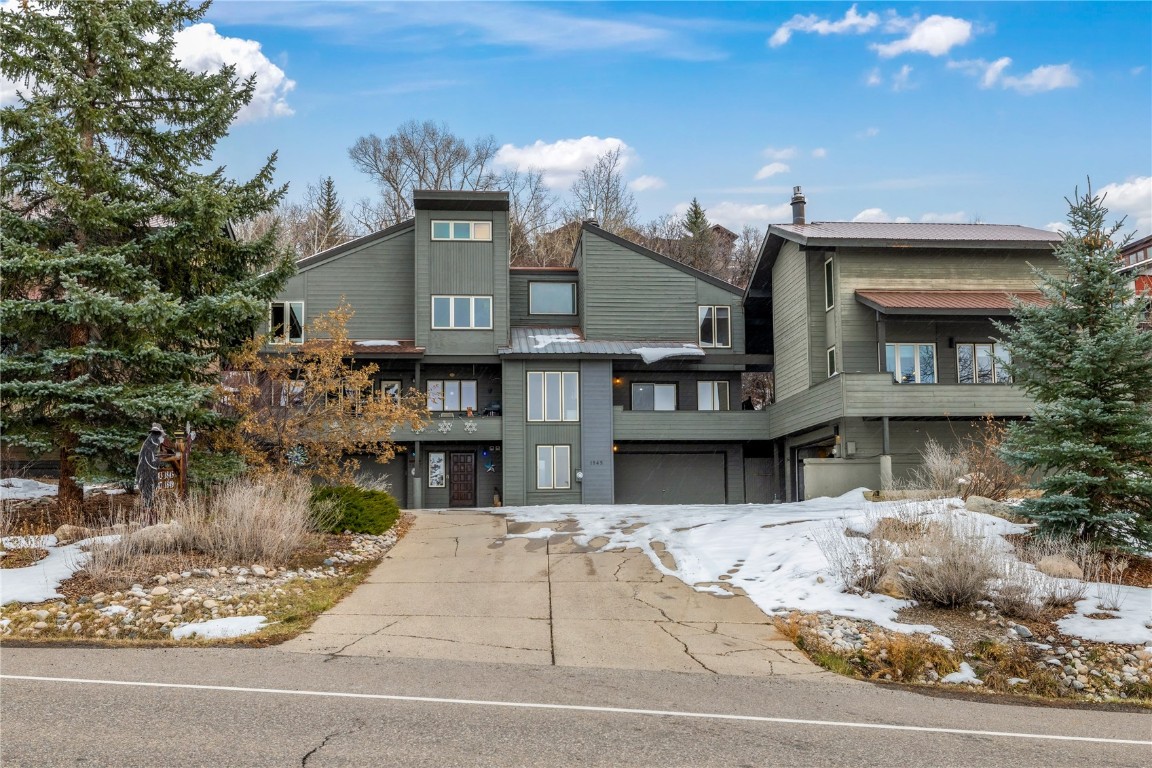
[[670, 478]]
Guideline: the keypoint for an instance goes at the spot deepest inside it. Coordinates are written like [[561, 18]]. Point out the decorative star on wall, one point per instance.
[[444, 426], [419, 430], [490, 467], [469, 426]]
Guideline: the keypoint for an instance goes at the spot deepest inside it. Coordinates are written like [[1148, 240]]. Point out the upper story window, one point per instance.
[[912, 363], [653, 397], [829, 284], [451, 395], [553, 396], [462, 230], [286, 322], [712, 396], [715, 326], [461, 312], [982, 364], [551, 298], [389, 389], [832, 370]]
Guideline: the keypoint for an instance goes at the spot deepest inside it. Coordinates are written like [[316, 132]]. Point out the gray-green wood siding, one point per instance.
[[790, 321], [519, 300], [596, 432]]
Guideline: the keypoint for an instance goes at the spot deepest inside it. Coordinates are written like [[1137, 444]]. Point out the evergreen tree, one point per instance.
[[329, 213], [1084, 361], [121, 284], [697, 251]]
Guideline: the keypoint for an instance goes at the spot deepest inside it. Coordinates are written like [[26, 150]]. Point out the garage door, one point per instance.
[[670, 478]]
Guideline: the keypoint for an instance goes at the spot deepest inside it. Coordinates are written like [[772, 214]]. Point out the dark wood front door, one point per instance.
[[462, 479]]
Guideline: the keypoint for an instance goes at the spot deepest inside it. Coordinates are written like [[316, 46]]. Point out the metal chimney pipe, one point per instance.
[[797, 206]]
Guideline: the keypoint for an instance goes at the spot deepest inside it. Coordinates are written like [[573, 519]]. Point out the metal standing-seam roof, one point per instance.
[[570, 341], [950, 302], [892, 233]]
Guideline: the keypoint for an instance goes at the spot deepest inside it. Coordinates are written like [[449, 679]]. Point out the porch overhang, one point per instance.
[[971, 303]]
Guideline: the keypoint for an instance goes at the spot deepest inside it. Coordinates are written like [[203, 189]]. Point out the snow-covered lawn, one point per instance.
[[771, 552], [18, 488]]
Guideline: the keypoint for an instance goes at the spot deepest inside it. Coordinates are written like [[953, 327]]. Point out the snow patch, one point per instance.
[[19, 488], [656, 354], [378, 343], [965, 675], [215, 629], [41, 580], [544, 340], [1132, 609]]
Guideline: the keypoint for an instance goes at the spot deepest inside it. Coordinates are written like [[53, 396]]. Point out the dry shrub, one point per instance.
[[1109, 581], [859, 563], [957, 559], [898, 656], [940, 470], [988, 475]]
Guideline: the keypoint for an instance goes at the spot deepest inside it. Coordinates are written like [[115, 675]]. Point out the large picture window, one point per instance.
[[553, 396], [451, 395], [286, 322], [653, 397], [553, 467], [461, 312], [462, 230], [712, 396], [982, 364], [551, 298], [715, 326], [912, 363]]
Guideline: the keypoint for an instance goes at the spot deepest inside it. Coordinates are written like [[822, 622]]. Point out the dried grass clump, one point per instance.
[[860, 563], [896, 656], [957, 560], [939, 472]]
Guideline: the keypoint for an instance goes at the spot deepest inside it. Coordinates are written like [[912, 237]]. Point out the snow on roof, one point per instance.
[[656, 354]]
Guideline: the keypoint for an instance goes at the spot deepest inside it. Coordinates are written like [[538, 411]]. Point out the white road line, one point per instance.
[[576, 708]]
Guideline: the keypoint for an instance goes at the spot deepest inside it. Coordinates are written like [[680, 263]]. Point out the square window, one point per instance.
[[481, 230], [286, 322], [912, 363], [461, 230], [441, 230]]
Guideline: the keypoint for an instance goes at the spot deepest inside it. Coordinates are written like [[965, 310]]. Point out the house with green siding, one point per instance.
[[617, 379], [883, 336]]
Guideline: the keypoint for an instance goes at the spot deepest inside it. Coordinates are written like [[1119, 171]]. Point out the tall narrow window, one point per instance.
[[912, 363], [553, 467], [712, 396], [553, 396], [829, 284], [715, 326], [286, 322], [832, 371], [653, 397]]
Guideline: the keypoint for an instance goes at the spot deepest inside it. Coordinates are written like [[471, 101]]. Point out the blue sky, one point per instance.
[[881, 111]]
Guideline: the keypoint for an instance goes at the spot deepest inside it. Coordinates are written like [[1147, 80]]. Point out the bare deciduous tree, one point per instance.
[[533, 214], [422, 155], [600, 191], [742, 259]]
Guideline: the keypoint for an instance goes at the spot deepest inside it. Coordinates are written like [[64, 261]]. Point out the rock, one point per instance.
[[160, 590], [1059, 567], [163, 619], [68, 534], [173, 578], [187, 592], [988, 506], [210, 603], [40, 625], [259, 570], [1023, 631], [42, 615], [161, 580]]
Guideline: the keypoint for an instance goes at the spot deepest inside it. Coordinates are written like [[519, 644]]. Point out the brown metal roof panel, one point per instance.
[[1000, 302]]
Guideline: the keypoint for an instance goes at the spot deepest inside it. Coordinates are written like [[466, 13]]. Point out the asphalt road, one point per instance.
[[245, 707]]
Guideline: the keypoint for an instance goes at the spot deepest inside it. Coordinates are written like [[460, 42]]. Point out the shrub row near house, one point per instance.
[[340, 508]]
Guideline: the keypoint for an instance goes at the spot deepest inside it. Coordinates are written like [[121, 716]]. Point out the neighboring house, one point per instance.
[[1136, 260], [614, 379], [883, 336]]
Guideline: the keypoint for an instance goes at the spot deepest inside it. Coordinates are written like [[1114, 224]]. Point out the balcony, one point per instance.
[[693, 426], [874, 394], [454, 428]]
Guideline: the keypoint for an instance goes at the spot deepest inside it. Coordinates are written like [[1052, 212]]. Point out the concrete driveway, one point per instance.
[[457, 588]]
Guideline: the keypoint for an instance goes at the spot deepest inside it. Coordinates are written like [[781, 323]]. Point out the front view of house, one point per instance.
[[617, 379]]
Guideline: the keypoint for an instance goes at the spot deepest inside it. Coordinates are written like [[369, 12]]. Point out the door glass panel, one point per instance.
[[451, 395], [435, 395], [571, 396], [441, 312], [535, 397], [483, 313], [907, 359], [704, 396], [643, 397], [562, 467], [461, 312], [467, 395], [552, 396], [665, 397], [927, 364]]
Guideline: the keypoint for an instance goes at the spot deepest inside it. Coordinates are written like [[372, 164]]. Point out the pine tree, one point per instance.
[[329, 214], [697, 250], [1088, 367], [121, 284]]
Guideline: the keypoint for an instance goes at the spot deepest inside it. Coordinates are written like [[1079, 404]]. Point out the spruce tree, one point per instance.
[[329, 213], [1083, 359], [122, 285], [698, 247]]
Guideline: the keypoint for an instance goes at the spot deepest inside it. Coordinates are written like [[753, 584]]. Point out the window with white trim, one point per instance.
[[551, 298], [832, 371], [553, 396], [553, 467], [451, 394], [462, 230], [292, 394], [982, 364], [829, 284], [712, 396], [653, 397], [389, 389], [912, 362], [286, 322], [715, 326], [454, 313]]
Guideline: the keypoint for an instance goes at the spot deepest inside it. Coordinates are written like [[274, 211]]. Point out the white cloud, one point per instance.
[[874, 78], [200, 48], [1056, 226], [771, 170], [1131, 198], [644, 183], [868, 133], [736, 215], [879, 215], [1045, 78], [852, 23], [901, 80], [957, 217], [786, 153], [561, 161], [819, 153], [935, 35]]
